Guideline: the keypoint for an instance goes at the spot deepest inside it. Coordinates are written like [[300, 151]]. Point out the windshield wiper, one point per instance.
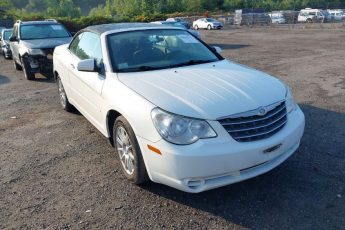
[[140, 68], [191, 62]]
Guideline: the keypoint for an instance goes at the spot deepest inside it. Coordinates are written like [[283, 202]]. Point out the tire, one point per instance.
[[63, 96], [7, 57], [209, 27], [196, 27], [26, 69], [16, 65], [309, 20], [128, 150]]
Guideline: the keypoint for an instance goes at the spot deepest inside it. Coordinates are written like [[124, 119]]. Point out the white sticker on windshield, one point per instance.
[[187, 38], [56, 27], [123, 65]]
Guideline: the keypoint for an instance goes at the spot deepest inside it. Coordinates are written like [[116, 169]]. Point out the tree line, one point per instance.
[[132, 8]]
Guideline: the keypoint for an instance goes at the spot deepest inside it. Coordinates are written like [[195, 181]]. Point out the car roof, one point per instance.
[[121, 27]]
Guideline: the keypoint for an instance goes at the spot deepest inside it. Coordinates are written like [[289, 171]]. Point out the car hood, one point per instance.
[[45, 43], [195, 33], [207, 91]]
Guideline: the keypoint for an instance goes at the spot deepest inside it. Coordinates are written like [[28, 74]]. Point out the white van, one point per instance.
[[310, 15]]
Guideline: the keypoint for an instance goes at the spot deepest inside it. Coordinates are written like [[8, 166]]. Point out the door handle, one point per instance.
[[73, 67]]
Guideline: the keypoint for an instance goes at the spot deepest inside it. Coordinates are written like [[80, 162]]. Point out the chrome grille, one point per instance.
[[256, 127]]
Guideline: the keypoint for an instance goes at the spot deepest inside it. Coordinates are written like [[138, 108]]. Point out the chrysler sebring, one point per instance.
[[174, 109]]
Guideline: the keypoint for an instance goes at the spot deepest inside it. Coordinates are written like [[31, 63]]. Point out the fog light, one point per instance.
[[195, 183], [33, 63]]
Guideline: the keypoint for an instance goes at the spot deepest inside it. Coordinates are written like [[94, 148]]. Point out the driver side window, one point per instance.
[[86, 46]]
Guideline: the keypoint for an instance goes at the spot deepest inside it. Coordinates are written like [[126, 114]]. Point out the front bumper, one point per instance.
[[216, 162], [217, 26], [39, 63]]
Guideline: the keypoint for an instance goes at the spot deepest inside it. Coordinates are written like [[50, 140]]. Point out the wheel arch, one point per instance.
[[55, 74], [111, 117]]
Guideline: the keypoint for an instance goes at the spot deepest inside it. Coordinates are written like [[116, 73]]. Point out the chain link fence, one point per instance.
[[306, 18]]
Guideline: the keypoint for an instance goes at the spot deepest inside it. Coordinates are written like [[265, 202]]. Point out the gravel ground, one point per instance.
[[58, 172]]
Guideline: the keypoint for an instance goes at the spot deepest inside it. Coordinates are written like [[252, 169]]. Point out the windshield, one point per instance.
[[211, 20], [41, 31], [156, 49], [7, 34]]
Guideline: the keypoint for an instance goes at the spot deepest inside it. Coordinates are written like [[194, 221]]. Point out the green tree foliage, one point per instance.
[[149, 8], [62, 8], [5, 4]]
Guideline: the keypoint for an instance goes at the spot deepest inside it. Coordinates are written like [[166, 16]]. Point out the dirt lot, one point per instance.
[[58, 172]]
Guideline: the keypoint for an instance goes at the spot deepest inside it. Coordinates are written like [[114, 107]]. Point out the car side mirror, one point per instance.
[[218, 49], [87, 65], [13, 39]]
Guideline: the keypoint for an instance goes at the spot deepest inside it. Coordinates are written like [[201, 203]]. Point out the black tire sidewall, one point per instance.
[[139, 175], [68, 106], [28, 75], [16, 65]]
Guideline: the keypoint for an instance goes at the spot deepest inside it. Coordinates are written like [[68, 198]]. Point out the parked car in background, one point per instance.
[[207, 23], [180, 20], [338, 15], [250, 17], [2, 28], [5, 43], [176, 111], [328, 17], [177, 24], [32, 45], [309, 15], [277, 17]]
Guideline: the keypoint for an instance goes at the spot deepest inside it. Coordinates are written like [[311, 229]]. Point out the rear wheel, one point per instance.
[[196, 27], [63, 96], [127, 147], [309, 20]]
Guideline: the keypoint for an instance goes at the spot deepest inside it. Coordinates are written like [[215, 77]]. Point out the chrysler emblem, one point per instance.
[[262, 111]]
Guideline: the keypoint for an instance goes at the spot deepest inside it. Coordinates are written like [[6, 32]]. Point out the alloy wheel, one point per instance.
[[125, 150]]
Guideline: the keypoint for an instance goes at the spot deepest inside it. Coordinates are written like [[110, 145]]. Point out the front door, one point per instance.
[[86, 87]]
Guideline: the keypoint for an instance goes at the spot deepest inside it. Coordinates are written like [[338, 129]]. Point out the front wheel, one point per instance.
[[16, 65], [127, 147], [196, 27], [209, 27], [26, 69]]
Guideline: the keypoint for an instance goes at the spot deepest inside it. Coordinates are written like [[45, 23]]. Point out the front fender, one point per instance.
[[135, 108]]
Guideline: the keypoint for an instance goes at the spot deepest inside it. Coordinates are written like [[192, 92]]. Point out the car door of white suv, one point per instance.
[[86, 87]]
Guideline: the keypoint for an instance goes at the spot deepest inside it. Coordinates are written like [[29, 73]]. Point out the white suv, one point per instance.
[[176, 111], [309, 15]]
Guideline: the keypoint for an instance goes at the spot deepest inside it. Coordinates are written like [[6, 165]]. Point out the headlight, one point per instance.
[[289, 101], [180, 130], [35, 52]]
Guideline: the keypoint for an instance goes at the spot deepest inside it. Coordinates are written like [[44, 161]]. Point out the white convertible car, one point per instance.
[[176, 111]]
